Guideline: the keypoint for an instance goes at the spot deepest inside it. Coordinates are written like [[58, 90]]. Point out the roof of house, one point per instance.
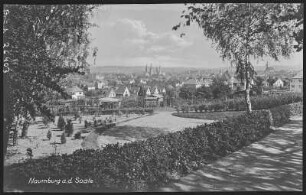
[[120, 90], [108, 99], [74, 89], [191, 82], [299, 75]]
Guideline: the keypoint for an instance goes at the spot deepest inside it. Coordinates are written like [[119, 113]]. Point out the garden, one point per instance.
[[144, 164]]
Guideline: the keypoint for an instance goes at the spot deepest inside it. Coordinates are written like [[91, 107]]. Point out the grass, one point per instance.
[[210, 115], [136, 132]]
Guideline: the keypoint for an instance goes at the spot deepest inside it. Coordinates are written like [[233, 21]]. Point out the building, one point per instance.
[[207, 81], [75, 93], [296, 83], [111, 93], [134, 90], [109, 103], [148, 91], [91, 87], [101, 84], [123, 91], [191, 83], [155, 90], [265, 84], [278, 83]]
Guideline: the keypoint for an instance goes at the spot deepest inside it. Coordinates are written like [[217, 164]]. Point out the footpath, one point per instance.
[[274, 163]]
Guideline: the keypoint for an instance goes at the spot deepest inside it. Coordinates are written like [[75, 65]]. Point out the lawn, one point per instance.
[[146, 127]]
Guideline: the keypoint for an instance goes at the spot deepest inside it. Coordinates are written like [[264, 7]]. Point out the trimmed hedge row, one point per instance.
[[281, 114], [143, 164], [112, 111], [258, 103]]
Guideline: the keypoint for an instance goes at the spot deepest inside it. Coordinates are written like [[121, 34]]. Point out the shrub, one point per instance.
[[45, 120], [77, 135], [61, 123], [69, 128], [281, 114], [147, 163], [63, 138], [49, 134], [258, 102]]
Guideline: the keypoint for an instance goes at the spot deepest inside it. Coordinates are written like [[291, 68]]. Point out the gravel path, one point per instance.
[[273, 164], [166, 121], [148, 126]]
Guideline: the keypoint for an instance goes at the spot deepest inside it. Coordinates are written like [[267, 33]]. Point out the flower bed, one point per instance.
[[139, 165]]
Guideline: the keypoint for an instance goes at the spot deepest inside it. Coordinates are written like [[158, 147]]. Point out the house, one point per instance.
[[278, 83], [155, 90], [164, 89], [198, 83], [237, 85], [207, 81], [296, 83], [133, 90], [265, 83], [75, 93], [123, 91], [179, 84], [191, 83], [90, 87], [101, 84], [109, 103], [143, 81], [132, 81], [111, 93], [148, 91]]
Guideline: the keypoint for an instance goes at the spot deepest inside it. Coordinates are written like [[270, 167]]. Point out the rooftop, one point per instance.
[[299, 75]]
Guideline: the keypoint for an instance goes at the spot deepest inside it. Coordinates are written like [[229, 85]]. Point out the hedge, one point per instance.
[[112, 111], [258, 102], [144, 164], [281, 114]]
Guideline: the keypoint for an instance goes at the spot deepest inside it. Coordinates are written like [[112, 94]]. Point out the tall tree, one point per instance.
[[42, 45], [243, 30]]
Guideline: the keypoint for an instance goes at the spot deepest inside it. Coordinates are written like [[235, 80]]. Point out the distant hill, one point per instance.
[[138, 69], [141, 69]]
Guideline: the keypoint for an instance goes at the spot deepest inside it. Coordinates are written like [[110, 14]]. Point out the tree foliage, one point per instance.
[[42, 45], [239, 31]]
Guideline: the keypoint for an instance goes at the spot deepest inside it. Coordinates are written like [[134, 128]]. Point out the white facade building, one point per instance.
[[296, 83]]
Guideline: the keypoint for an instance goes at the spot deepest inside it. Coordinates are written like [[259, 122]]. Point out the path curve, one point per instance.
[[274, 163]]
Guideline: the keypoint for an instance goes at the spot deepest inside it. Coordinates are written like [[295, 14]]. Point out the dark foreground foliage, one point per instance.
[[140, 165]]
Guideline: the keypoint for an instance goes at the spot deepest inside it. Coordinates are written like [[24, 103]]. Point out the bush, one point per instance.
[[49, 134], [45, 120], [258, 102], [69, 128], [61, 123], [281, 114], [77, 135], [63, 138], [147, 163]]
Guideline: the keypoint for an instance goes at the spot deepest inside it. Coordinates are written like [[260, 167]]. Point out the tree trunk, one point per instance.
[[6, 134], [248, 100], [247, 90]]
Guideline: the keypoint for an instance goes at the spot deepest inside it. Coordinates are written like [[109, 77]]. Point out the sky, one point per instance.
[[140, 34]]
